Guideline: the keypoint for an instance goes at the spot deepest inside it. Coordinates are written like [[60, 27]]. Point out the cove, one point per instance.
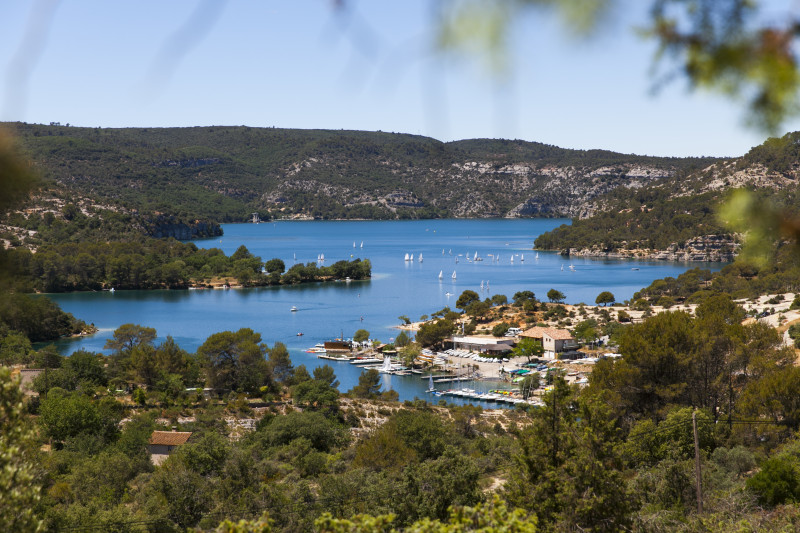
[[397, 287]]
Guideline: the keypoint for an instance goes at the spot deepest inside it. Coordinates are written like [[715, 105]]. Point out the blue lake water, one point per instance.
[[397, 287]]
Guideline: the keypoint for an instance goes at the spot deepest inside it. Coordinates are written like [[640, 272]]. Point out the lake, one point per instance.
[[397, 287]]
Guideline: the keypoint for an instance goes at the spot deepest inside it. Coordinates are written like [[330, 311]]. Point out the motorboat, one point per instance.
[[293, 309]]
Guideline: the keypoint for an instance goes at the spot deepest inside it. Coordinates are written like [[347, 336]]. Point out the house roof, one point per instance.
[[170, 438], [554, 333]]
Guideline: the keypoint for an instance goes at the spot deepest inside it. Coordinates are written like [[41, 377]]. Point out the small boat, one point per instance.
[[448, 294], [113, 290], [442, 251], [406, 257], [299, 333], [440, 274], [512, 258], [475, 257], [431, 388], [454, 275], [634, 268], [318, 348], [522, 258], [572, 268], [420, 258], [537, 255], [293, 309], [456, 259], [362, 244], [562, 268], [354, 244]]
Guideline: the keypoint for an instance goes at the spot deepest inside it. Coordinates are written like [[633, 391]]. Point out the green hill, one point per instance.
[[225, 173]]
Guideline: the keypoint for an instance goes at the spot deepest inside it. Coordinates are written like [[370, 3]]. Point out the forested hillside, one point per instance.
[[668, 215], [226, 173]]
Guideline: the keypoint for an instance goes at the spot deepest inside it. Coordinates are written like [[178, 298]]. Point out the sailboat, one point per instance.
[[431, 388], [420, 258], [475, 257], [442, 251], [481, 284], [406, 257], [512, 258], [362, 244], [456, 259], [354, 244], [537, 256], [522, 257], [440, 274], [562, 268], [454, 274], [571, 268]]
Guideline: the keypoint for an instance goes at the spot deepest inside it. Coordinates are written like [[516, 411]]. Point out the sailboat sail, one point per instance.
[[440, 274], [454, 274], [430, 384]]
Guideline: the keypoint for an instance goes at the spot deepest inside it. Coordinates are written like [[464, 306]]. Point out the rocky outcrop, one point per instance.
[[712, 248]]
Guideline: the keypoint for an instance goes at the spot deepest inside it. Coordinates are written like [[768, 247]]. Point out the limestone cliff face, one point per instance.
[[713, 248], [474, 189]]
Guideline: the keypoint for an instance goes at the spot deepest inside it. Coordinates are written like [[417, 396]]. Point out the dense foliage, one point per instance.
[[648, 218], [158, 263], [225, 173], [616, 455]]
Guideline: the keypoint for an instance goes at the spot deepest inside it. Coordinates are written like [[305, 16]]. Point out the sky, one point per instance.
[[352, 64]]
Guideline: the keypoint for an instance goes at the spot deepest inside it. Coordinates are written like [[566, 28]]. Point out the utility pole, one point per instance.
[[697, 465]]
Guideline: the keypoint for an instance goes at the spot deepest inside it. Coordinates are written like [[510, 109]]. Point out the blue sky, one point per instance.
[[371, 66]]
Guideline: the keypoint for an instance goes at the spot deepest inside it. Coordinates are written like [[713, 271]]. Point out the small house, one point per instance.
[[162, 443], [557, 343]]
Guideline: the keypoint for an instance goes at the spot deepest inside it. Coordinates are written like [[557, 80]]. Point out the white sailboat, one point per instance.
[[442, 251], [537, 256], [562, 268], [362, 244], [454, 275], [406, 257], [481, 284], [440, 274], [512, 258], [420, 258], [475, 257], [387, 366], [571, 268], [522, 258], [354, 244], [431, 388]]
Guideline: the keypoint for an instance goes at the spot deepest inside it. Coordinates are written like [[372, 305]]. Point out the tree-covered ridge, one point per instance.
[[649, 218], [225, 173], [156, 264], [685, 205]]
